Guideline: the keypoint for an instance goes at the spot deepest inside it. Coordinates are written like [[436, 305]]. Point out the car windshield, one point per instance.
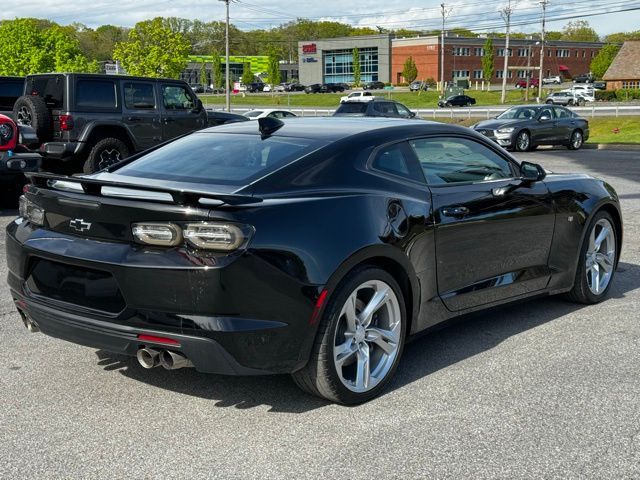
[[353, 107], [253, 113], [219, 158], [518, 113]]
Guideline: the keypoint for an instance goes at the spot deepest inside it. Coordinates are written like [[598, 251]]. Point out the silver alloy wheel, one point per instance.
[[109, 157], [23, 116], [523, 141], [576, 140], [601, 256], [367, 336]]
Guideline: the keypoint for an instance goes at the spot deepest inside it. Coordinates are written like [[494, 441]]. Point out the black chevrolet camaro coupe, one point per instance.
[[309, 246], [525, 127]]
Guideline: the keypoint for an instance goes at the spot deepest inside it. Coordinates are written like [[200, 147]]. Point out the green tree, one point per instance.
[[64, 51], [622, 37], [273, 67], [603, 59], [579, 31], [410, 71], [204, 78], [153, 50], [217, 74], [356, 67], [247, 75], [487, 60]]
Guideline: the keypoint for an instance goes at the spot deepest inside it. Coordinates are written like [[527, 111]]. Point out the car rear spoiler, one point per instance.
[[93, 186]]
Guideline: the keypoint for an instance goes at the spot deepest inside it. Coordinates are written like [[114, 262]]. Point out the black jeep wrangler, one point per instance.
[[91, 121]]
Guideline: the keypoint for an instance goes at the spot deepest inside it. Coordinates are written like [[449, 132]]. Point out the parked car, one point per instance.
[[16, 158], [269, 112], [255, 87], [376, 107], [585, 91], [217, 117], [373, 85], [351, 235], [556, 79], [11, 88], [313, 88], [295, 87], [333, 87], [197, 87], [584, 78], [525, 127], [280, 88], [89, 122], [599, 85], [418, 85], [363, 96], [522, 83], [565, 98], [456, 101]]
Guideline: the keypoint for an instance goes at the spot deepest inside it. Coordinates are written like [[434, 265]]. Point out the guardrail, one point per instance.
[[464, 112]]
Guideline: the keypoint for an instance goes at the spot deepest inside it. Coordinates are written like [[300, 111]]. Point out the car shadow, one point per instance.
[[457, 341]]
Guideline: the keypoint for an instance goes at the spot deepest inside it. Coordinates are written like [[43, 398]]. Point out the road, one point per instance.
[[542, 389]]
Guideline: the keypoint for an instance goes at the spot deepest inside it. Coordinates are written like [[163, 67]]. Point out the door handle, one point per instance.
[[456, 212], [168, 120], [134, 119]]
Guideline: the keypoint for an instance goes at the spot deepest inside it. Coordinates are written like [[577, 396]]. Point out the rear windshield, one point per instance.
[[49, 87], [10, 90], [220, 158], [355, 107], [253, 113]]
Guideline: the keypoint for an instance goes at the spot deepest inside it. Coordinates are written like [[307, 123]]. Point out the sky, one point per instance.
[[479, 15]]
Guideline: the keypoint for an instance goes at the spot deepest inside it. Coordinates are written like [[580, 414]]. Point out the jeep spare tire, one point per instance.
[[32, 110]]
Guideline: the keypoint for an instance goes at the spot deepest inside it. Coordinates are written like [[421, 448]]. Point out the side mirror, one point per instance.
[[412, 114], [544, 118], [531, 172], [199, 106]]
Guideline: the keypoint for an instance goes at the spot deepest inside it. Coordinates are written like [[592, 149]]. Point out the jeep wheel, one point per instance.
[[105, 153], [32, 110]]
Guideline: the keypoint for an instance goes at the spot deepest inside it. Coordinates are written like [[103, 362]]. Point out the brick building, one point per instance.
[[463, 57]]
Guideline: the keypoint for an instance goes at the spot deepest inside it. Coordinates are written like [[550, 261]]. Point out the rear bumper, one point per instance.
[[64, 151], [242, 317], [17, 163]]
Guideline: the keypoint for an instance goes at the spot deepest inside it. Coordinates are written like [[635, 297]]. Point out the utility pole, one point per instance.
[[544, 4], [506, 16], [445, 15], [526, 94], [227, 88]]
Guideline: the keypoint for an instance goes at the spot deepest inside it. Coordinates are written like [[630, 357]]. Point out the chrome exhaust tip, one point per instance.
[[148, 357], [173, 360], [28, 323]]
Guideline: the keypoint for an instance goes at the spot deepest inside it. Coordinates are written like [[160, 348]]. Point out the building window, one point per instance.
[[549, 53], [338, 65], [584, 53], [631, 84], [500, 52], [499, 74], [462, 51], [461, 74], [562, 53], [523, 52], [477, 74], [478, 51]]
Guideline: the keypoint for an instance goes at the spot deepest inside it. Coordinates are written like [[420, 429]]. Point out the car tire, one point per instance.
[[576, 141], [523, 141], [105, 153], [549, 102], [32, 110], [448, 105], [586, 289], [341, 376]]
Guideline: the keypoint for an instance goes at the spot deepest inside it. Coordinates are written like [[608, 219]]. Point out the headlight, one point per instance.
[[162, 234], [214, 236], [505, 130], [6, 132], [30, 211]]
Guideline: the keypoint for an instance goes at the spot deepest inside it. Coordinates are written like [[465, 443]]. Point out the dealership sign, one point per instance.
[[309, 60], [309, 48]]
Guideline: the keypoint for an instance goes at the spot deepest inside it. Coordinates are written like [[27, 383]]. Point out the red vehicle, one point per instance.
[[522, 83], [15, 156]]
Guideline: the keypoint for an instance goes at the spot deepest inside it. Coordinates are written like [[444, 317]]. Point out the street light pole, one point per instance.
[[506, 15], [544, 11], [227, 89]]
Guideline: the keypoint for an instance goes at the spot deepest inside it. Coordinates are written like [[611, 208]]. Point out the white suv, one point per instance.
[[556, 79], [360, 96]]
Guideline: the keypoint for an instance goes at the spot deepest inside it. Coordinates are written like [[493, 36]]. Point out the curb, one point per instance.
[[628, 147]]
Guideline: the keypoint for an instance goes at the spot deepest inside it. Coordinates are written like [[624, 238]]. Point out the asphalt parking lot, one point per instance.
[[542, 389]]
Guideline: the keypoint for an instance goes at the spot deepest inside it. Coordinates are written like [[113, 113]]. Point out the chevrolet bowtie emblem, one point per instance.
[[79, 225]]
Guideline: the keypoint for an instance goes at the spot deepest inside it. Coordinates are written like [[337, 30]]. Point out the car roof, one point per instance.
[[106, 76], [336, 128]]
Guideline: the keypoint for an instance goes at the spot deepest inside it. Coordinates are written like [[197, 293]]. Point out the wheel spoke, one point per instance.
[[592, 241], [344, 352], [363, 373], [604, 233], [605, 261], [595, 278], [350, 313], [387, 340], [378, 300]]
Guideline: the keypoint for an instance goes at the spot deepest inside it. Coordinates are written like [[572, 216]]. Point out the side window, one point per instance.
[[561, 112], [139, 96], [96, 94], [395, 159], [177, 97], [547, 112], [403, 111], [452, 159]]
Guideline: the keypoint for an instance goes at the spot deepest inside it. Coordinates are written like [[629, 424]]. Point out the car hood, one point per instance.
[[494, 123]]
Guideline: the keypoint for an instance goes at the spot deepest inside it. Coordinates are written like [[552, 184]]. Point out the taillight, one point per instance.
[[66, 122], [223, 237]]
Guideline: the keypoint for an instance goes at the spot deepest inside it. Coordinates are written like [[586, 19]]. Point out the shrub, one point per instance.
[[606, 95], [628, 94]]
